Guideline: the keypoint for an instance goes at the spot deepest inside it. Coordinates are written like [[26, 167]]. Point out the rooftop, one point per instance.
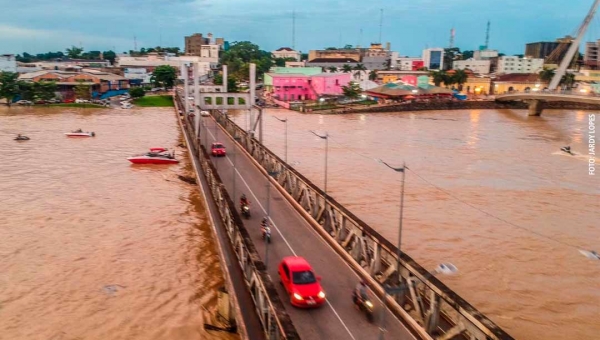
[[333, 60], [285, 49]]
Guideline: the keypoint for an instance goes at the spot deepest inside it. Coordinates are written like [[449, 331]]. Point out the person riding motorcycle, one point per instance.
[[360, 292], [264, 223], [244, 200]]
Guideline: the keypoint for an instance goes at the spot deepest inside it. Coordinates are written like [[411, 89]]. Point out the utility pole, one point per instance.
[[380, 25], [452, 32]]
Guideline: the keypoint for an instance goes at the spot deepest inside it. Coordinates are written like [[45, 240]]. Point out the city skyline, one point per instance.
[[114, 26]]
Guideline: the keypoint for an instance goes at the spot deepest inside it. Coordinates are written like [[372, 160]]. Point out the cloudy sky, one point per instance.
[[410, 25]]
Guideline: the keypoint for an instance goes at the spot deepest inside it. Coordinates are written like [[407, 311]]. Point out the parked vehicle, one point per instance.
[[204, 113], [301, 284], [25, 102]]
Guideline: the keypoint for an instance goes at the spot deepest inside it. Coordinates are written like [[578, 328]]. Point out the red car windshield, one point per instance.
[[218, 146], [303, 277]]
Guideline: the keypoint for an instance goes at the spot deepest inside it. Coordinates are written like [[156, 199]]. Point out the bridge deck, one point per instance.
[[292, 235]]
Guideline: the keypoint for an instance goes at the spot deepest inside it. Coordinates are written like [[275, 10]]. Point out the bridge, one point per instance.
[[410, 302], [537, 100]]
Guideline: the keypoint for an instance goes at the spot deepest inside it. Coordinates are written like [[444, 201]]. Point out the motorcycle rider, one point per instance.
[[360, 292], [244, 202]]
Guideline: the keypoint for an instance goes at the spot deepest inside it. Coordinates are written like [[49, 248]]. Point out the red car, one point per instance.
[[217, 150], [300, 282]]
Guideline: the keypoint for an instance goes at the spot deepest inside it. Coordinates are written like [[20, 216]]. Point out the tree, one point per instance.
[[164, 76], [82, 90], [8, 86], [439, 77], [110, 56], [281, 61], [450, 55], [460, 77], [304, 56], [241, 54], [423, 69], [359, 68], [74, 52], [373, 75], [44, 90], [467, 54], [347, 68], [352, 90], [332, 69], [231, 83], [546, 74], [568, 80], [25, 90], [330, 48], [137, 92], [348, 47]]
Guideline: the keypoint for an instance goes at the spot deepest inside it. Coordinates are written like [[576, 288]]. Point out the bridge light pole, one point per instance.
[[270, 173], [403, 171], [442, 268], [326, 138], [286, 134]]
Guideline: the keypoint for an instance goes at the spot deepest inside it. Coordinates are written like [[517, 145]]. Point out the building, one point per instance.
[[392, 76], [376, 57], [590, 57], [204, 47], [477, 66], [551, 52], [307, 71], [8, 63], [153, 60], [508, 83], [68, 64], [332, 62], [408, 63], [102, 84], [402, 91], [433, 58], [351, 55], [137, 75], [295, 64], [485, 54], [290, 87], [286, 52], [513, 64]]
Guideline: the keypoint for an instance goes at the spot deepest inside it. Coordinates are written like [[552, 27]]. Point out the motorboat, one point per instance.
[[80, 133], [155, 156], [19, 137]]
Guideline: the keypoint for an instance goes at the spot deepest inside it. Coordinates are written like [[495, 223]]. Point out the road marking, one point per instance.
[[284, 239]]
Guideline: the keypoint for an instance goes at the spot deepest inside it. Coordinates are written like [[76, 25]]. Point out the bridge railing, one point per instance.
[[275, 321], [427, 304]]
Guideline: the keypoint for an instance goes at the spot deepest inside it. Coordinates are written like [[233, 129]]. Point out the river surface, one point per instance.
[[92, 247], [488, 190]]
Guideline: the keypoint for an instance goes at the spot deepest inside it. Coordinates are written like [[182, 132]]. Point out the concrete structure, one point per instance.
[[68, 64], [509, 83], [307, 71], [536, 100], [477, 66], [433, 58], [295, 64], [349, 55], [153, 60], [392, 76], [331, 62], [290, 87], [137, 75], [205, 48], [478, 86], [485, 54], [8, 63], [408, 63], [512, 64], [286, 52], [591, 57], [102, 84]]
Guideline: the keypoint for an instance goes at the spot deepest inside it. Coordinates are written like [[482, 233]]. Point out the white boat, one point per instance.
[[80, 134]]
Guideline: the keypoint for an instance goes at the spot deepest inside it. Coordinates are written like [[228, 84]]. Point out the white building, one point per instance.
[[477, 66], [210, 54], [8, 63], [512, 64], [295, 64], [137, 73], [286, 52], [153, 60], [408, 63], [433, 58], [485, 54]]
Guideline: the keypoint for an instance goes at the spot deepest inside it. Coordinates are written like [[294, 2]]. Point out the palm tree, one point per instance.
[[460, 77], [359, 68], [373, 75], [568, 80], [347, 68], [439, 77], [332, 69], [546, 74]]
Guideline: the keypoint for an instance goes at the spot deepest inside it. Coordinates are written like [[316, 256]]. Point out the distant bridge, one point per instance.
[[536, 100]]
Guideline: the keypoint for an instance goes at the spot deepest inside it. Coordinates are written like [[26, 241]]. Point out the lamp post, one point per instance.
[[443, 268], [326, 138], [270, 173], [403, 171], [286, 134]]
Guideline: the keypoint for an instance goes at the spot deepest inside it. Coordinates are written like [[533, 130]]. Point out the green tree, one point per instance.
[[74, 52], [439, 77], [373, 75], [546, 74], [82, 90], [164, 76], [450, 55], [423, 69], [241, 54], [359, 68], [348, 47], [304, 56], [460, 77], [281, 61], [44, 90], [332, 69], [231, 83], [346, 68], [137, 92], [330, 48], [467, 54], [110, 56], [25, 90], [568, 80], [352, 90], [8, 86]]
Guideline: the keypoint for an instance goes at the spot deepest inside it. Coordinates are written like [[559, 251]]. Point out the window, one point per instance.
[[303, 277], [337, 82]]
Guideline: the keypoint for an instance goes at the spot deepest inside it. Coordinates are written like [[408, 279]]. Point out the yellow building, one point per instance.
[[478, 86], [518, 82]]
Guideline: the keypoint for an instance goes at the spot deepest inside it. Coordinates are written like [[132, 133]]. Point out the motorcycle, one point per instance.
[[246, 211], [365, 305], [266, 233]]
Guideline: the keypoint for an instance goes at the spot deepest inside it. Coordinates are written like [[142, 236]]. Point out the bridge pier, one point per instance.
[[535, 107]]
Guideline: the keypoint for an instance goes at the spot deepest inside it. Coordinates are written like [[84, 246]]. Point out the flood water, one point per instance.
[[488, 190], [92, 247]]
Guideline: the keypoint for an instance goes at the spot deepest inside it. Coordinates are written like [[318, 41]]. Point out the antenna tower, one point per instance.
[[452, 32], [134, 43], [487, 35], [294, 30], [380, 25]]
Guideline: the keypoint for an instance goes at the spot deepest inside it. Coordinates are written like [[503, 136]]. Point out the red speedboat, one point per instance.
[[155, 156]]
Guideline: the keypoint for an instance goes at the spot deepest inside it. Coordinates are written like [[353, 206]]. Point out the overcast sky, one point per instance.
[[410, 25]]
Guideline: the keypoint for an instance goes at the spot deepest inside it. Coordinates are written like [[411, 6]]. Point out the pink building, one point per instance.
[[289, 87]]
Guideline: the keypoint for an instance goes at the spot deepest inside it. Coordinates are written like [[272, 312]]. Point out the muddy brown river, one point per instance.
[[92, 247]]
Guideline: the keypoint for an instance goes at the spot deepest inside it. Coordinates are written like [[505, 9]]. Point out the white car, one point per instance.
[[24, 102], [204, 113]]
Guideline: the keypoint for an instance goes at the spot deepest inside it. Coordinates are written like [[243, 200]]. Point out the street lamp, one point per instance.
[[442, 268], [286, 134], [270, 173], [403, 171], [326, 138]]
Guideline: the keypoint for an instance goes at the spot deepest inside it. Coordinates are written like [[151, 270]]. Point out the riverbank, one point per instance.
[[459, 105], [79, 105], [154, 101]]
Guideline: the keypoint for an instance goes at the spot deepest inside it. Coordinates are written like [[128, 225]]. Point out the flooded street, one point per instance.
[[92, 247], [488, 190]]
